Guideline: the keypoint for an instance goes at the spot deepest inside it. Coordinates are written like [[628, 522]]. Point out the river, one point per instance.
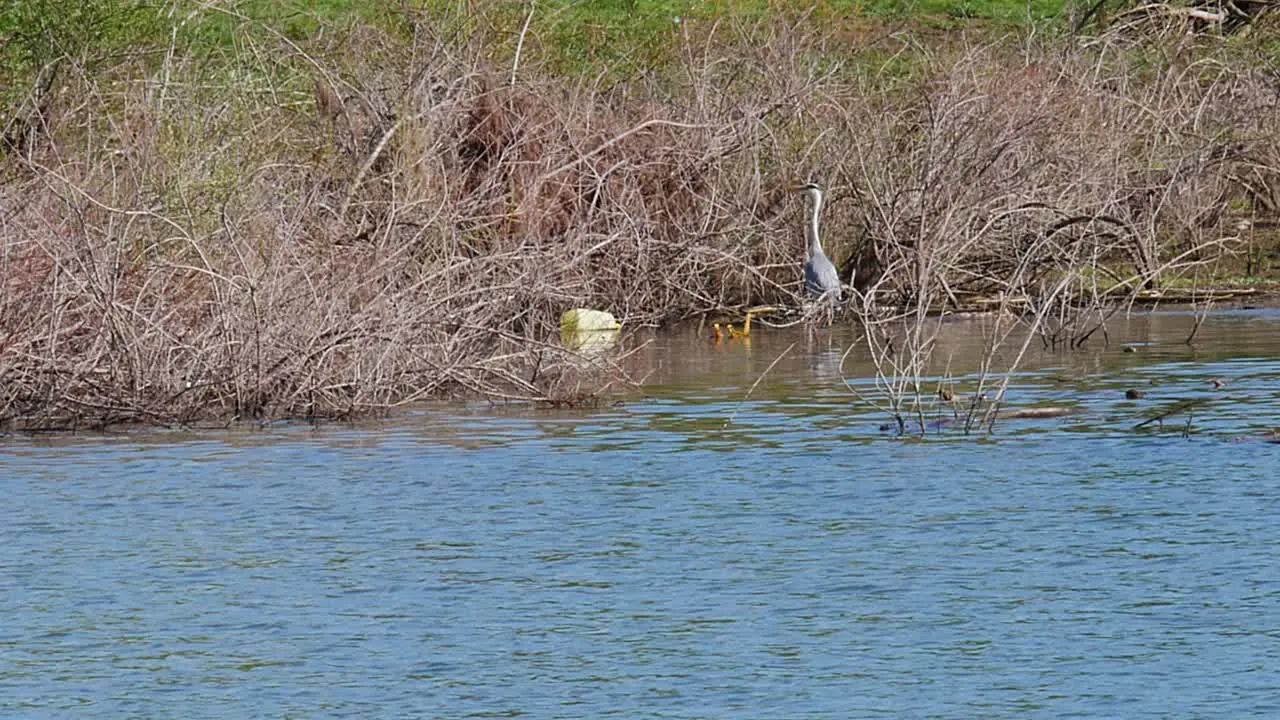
[[745, 539]]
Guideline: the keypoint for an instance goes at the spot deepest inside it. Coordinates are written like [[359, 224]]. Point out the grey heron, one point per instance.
[[820, 277]]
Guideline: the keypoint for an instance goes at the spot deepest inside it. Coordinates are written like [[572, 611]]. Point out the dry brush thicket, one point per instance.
[[336, 230], [1053, 191]]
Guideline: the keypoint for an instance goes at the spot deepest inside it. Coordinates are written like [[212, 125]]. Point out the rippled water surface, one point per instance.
[[708, 551]]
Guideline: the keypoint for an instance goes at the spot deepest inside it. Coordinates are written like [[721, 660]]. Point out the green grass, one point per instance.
[[631, 36], [34, 32], [572, 36], [637, 15]]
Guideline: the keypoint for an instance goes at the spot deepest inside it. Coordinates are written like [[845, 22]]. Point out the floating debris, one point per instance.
[[1171, 410], [589, 332], [732, 333], [1271, 437], [1037, 413]]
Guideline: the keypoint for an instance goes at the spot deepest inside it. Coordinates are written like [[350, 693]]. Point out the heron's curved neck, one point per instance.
[[815, 245]]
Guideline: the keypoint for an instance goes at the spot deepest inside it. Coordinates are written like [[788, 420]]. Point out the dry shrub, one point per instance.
[[333, 231], [1071, 159], [1053, 192], [394, 224]]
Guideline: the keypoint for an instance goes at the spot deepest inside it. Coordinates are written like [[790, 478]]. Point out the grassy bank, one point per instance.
[[317, 210]]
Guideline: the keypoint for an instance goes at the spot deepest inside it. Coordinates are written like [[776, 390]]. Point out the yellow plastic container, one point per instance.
[[589, 332]]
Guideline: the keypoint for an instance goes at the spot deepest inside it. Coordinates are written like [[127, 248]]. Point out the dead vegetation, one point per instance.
[[1053, 197], [365, 222]]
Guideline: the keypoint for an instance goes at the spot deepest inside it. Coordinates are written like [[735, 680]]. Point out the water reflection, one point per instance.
[[827, 377], [681, 357]]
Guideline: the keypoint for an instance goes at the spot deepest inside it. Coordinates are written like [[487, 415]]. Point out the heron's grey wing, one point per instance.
[[820, 276], [811, 282]]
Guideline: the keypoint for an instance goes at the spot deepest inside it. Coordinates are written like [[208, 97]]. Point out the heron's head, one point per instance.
[[810, 189]]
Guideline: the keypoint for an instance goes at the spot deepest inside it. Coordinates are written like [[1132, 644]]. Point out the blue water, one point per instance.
[[649, 561]]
